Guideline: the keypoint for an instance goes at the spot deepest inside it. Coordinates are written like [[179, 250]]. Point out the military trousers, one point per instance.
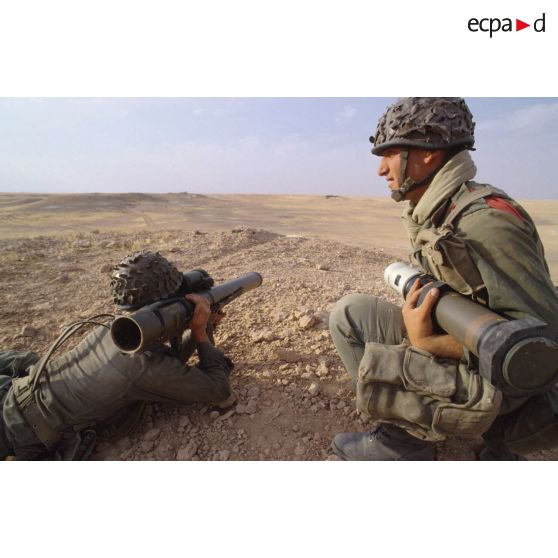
[[12, 365], [431, 398], [358, 319]]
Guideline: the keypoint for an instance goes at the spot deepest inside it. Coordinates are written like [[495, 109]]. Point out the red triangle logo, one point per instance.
[[519, 25]]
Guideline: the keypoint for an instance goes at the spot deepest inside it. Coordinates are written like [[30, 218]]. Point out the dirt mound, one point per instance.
[[294, 393]]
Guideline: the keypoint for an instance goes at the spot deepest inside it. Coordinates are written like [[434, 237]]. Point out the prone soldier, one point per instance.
[[54, 414]]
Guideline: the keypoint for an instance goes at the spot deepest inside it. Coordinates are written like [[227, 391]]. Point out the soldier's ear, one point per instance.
[[434, 157]]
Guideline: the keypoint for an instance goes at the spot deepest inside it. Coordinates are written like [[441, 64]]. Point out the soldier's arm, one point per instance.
[[166, 378], [420, 329]]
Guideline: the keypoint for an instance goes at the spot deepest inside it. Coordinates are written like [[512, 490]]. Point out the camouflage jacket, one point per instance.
[[492, 252]]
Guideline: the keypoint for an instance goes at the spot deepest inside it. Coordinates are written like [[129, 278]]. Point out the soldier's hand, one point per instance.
[[202, 312], [418, 320]]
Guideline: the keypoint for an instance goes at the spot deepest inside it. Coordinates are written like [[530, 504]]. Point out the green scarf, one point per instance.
[[448, 180]]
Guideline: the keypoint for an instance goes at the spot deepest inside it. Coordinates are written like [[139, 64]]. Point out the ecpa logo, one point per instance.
[[494, 24]]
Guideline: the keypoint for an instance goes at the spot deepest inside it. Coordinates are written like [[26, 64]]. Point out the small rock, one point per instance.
[[105, 268], [222, 455], [322, 370], [264, 335], [214, 414], [314, 388], [254, 391], [266, 374], [184, 422], [295, 428], [226, 416], [147, 446], [288, 355], [252, 407], [322, 267], [278, 316], [28, 331], [152, 434], [187, 453], [299, 451], [82, 244], [308, 322]]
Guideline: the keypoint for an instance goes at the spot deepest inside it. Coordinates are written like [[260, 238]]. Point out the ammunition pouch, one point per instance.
[[429, 397], [443, 254], [447, 258]]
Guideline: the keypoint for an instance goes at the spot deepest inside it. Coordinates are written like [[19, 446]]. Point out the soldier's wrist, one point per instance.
[[200, 335]]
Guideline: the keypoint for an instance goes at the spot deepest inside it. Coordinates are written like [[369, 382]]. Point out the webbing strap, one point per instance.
[[465, 201]]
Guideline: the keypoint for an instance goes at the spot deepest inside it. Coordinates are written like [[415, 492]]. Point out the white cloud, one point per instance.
[[347, 113], [534, 117]]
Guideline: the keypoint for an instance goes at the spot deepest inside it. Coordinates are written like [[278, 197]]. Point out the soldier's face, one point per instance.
[[420, 164], [390, 162]]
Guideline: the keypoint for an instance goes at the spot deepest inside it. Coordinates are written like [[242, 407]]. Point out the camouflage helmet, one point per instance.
[[143, 277], [427, 122]]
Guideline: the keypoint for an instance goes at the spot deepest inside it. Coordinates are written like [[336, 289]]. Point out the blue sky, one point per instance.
[[246, 145]]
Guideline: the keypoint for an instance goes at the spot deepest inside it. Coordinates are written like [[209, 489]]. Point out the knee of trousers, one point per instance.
[[347, 309]]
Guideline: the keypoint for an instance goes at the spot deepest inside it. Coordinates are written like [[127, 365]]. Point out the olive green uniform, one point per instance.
[[95, 381], [492, 253]]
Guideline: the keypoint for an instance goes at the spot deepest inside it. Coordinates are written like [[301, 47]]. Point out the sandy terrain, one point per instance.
[[57, 252], [357, 221]]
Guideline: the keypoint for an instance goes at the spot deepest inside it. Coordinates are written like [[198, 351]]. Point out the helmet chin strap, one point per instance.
[[408, 183]]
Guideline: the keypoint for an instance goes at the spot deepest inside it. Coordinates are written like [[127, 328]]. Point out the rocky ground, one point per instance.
[[294, 394]]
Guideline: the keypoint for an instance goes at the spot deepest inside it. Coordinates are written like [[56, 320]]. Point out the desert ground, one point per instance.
[[294, 395]]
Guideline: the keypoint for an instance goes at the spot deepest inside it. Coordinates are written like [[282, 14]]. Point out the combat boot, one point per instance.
[[387, 443]]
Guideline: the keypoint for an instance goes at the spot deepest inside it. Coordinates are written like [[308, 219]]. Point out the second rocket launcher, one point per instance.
[[516, 356]]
